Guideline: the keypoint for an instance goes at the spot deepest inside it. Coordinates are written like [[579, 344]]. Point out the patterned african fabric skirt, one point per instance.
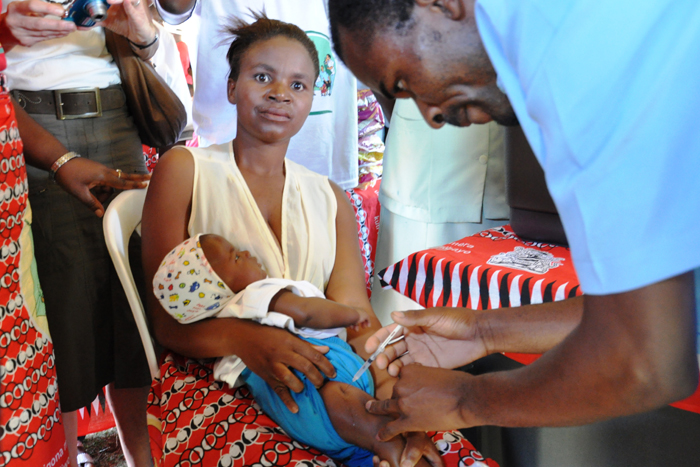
[[31, 429], [194, 420]]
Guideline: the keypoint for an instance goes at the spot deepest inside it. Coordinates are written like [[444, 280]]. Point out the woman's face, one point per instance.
[[274, 89]]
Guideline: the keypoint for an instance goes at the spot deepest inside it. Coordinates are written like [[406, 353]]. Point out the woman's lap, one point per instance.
[[312, 424], [195, 420]]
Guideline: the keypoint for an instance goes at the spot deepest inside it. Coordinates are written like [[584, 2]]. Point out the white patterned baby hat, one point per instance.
[[187, 286]]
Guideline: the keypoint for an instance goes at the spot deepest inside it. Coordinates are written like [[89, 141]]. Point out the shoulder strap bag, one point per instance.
[[158, 113]]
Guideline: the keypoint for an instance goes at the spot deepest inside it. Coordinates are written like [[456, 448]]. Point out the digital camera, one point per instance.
[[87, 12]]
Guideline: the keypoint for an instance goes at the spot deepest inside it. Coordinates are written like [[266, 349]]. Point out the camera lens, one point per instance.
[[97, 9]]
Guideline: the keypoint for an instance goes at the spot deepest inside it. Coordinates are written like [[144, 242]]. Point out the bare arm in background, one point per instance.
[[89, 181]]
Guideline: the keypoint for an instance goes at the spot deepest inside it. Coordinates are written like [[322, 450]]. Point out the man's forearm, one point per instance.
[[632, 352], [531, 328]]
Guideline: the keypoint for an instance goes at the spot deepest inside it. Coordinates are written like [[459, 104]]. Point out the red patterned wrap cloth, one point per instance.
[[31, 430]]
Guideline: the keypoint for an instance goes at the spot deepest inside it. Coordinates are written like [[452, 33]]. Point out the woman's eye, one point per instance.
[[262, 77], [236, 258], [297, 86]]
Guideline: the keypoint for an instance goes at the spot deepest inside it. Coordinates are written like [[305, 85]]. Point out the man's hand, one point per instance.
[[92, 182], [424, 399], [436, 337], [131, 19], [26, 23]]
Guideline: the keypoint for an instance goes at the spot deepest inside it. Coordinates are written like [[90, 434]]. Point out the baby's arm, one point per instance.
[[316, 312]]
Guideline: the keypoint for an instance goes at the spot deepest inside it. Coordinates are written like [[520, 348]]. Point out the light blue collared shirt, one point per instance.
[[608, 94]]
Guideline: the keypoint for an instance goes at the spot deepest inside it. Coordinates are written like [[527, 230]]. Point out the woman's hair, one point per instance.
[[264, 28]]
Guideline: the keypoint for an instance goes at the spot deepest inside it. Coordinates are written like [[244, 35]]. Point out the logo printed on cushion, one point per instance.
[[526, 259]]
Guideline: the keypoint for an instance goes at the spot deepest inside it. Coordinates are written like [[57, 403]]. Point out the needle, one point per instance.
[[376, 353]]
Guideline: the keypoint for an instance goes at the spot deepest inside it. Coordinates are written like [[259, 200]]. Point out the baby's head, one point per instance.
[[201, 274], [235, 267]]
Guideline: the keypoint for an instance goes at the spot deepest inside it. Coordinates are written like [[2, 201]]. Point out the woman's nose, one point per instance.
[[278, 92], [432, 114]]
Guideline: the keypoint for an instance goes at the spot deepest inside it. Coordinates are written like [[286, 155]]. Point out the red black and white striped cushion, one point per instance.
[[492, 269]]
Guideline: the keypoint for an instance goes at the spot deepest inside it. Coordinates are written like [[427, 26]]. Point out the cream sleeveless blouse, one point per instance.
[[222, 204]]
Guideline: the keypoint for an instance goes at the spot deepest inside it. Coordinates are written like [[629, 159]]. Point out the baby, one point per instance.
[[205, 276]]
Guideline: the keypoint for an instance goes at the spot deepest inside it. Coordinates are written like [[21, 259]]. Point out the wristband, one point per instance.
[[141, 47], [60, 162]]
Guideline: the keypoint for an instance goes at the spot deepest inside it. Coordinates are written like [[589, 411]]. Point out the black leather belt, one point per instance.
[[68, 104]]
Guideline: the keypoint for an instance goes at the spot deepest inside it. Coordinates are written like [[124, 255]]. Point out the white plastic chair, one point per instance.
[[121, 219]]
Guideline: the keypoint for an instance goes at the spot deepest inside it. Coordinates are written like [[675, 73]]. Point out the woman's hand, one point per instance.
[[131, 19], [437, 337], [271, 353], [92, 182], [26, 23]]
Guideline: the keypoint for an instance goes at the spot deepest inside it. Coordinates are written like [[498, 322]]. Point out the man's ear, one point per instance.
[[231, 91], [453, 9]]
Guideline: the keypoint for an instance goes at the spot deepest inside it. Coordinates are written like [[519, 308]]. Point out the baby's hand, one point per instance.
[[362, 321]]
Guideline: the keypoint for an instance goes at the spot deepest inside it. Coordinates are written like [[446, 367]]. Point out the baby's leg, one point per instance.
[[346, 408]]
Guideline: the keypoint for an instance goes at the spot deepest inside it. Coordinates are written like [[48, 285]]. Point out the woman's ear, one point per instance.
[[231, 91]]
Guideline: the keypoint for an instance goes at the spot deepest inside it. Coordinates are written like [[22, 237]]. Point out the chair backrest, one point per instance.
[[121, 219]]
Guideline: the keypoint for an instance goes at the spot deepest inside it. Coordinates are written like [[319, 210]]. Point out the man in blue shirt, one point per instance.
[[607, 95]]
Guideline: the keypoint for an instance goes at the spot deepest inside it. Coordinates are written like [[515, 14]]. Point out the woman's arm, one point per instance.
[[269, 352], [89, 181], [347, 286]]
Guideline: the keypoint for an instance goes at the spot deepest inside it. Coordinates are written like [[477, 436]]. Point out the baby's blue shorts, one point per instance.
[[311, 425]]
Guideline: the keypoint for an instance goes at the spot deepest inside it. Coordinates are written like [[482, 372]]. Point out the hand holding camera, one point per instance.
[[131, 19], [30, 21]]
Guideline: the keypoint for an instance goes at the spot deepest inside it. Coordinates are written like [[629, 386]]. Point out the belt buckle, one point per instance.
[[58, 93]]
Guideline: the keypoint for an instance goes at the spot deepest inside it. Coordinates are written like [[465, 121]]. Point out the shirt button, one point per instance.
[[483, 159]]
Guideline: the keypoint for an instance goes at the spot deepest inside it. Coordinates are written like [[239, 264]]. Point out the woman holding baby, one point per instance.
[[299, 226]]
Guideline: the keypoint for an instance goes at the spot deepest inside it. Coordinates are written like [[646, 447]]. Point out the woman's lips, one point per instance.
[[277, 115]]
